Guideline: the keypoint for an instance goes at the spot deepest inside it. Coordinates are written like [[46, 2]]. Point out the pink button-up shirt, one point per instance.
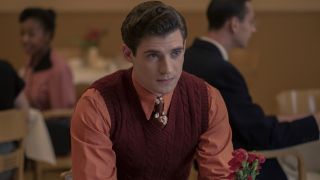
[[51, 88]]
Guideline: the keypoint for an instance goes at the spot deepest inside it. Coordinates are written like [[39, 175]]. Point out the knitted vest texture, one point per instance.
[[143, 149]]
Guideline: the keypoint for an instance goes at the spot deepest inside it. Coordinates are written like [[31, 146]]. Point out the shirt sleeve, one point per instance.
[[62, 90], [215, 145], [10, 74], [92, 154]]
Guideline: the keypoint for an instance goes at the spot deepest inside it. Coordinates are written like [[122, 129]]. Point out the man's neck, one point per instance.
[[221, 38]]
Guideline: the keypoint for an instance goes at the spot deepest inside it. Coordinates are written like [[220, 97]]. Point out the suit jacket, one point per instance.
[[252, 129]]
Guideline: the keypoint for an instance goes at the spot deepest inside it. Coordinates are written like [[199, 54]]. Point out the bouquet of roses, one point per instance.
[[244, 165]]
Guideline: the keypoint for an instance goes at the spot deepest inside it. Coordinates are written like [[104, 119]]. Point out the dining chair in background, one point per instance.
[[62, 162], [301, 102], [13, 128]]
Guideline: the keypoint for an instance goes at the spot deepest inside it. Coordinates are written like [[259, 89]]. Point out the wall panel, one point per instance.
[[283, 54]]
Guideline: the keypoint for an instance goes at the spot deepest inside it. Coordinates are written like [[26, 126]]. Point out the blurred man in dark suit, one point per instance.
[[231, 24]]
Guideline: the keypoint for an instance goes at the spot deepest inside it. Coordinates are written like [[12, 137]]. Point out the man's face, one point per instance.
[[246, 28], [157, 65]]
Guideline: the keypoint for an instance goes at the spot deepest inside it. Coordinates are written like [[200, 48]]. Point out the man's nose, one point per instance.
[[165, 65], [254, 29]]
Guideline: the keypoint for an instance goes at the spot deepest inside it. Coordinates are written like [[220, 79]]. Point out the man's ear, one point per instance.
[[234, 24], [127, 53]]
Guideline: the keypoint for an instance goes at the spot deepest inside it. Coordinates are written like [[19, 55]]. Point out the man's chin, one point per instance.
[[164, 91]]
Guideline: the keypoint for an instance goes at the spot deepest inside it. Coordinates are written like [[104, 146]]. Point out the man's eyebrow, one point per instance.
[[151, 51], [177, 48], [157, 51]]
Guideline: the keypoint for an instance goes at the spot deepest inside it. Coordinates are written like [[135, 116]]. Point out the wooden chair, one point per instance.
[[66, 175], [13, 128], [62, 162], [285, 152], [296, 102]]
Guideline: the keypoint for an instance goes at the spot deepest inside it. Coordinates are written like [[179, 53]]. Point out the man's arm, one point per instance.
[[92, 154], [289, 118], [252, 128], [215, 146]]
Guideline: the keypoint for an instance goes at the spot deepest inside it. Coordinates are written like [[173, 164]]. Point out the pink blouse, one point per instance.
[[51, 88]]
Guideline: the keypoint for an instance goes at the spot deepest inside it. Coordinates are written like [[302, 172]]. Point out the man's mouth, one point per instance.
[[165, 80]]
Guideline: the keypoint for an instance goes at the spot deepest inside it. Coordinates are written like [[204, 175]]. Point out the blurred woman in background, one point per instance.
[[49, 83], [48, 78]]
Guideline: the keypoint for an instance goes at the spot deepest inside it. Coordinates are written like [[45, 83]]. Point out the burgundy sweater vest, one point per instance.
[[144, 150]]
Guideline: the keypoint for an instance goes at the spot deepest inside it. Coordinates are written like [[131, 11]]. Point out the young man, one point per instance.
[[117, 134], [231, 24]]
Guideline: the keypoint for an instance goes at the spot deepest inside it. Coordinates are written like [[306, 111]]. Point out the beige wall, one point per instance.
[[283, 54], [287, 51]]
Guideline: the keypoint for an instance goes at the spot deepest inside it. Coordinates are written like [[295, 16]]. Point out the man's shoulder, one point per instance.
[[202, 45], [202, 54], [5, 66]]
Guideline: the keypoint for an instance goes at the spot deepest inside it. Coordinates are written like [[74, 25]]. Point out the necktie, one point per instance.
[[158, 113]]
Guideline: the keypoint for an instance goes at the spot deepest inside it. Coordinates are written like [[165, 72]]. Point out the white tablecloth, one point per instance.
[[310, 152], [38, 144], [87, 74]]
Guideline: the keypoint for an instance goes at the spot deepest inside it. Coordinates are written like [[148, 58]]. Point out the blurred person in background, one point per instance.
[[11, 96], [49, 83], [11, 93], [231, 24]]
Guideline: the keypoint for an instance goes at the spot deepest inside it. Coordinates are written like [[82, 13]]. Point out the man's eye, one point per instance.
[[152, 56], [176, 53]]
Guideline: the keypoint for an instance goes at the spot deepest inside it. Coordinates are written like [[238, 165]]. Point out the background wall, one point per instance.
[[283, 53]]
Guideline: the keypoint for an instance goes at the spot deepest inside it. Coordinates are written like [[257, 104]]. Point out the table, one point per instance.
[[38, 144], [88, 73]]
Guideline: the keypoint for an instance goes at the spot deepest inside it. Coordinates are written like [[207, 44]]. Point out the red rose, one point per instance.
[[262, 159], [244, 165], [240, 154], [251, 157]]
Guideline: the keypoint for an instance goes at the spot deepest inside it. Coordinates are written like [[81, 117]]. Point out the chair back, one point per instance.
[[66, 175], [285, 153], [56, 113], [13, 128], [63, 162], [298, 101], [301, 102]]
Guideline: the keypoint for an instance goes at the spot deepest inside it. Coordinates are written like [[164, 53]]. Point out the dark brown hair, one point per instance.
[[151, 18], [220, 11]]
